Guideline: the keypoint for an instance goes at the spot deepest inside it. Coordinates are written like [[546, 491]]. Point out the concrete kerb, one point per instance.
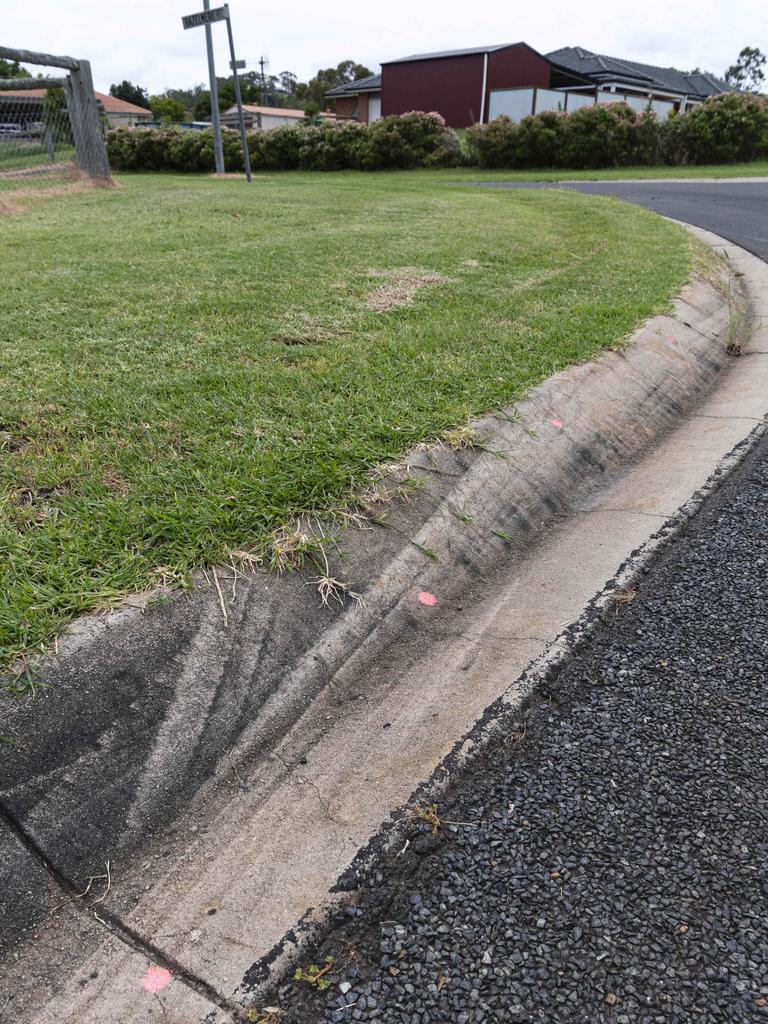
[[223, 720]]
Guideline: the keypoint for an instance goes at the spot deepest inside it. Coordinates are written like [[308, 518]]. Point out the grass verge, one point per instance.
[[188, 364]]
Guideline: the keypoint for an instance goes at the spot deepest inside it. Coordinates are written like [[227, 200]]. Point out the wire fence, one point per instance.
[[37, 147]]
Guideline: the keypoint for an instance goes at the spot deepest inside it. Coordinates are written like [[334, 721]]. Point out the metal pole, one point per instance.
[[238, 101], [218, 149]]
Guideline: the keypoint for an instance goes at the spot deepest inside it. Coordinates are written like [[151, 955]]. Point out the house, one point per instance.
[[484, 82], [360, 100], [120, 113], [26, 106], [257, 117]]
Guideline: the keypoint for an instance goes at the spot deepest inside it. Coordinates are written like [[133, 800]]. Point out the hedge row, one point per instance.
[[408, 141], [729, 128], [725, 129]]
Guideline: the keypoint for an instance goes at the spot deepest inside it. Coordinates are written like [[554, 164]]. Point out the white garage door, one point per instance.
[[374, 106]]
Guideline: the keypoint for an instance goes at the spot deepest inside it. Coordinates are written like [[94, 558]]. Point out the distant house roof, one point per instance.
[[371, 83], [453, 53], [111, 104], [600, 68]]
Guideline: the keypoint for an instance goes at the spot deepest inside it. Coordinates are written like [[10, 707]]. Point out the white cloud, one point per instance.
[[144, 41]]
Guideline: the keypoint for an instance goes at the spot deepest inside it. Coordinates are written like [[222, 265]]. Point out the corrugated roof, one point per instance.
[[602, 68], [368, 84], [451, 53]]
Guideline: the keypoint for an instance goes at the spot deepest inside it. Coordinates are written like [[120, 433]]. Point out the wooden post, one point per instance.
[[84, 117]]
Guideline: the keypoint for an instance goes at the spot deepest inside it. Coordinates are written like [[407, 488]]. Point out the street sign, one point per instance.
[[205, 17], [238, 65]]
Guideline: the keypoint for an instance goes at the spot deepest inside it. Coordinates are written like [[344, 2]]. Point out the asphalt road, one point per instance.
[[607, 859], [736, 210]]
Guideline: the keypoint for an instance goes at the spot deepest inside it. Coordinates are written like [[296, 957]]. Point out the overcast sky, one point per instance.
[[143, 40]]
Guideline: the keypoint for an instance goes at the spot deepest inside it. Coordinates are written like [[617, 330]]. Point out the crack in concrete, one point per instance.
[[111, 922]]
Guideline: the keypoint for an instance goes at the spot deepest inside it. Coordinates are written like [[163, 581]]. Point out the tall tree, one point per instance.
[[747, 73], [329, 78], [164, 108], [131, 93]]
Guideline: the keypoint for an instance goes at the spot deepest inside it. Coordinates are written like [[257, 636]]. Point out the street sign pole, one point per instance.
[[218, 149], [238, 100]]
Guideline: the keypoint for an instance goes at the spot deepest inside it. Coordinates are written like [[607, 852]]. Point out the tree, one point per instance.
[[165, 108], [330, 78], [131, 93], [747, 73], [12, 69]]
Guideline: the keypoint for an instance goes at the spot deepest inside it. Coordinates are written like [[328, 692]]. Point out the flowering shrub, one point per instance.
[[408, 140], [724, 129], [494, 144], [604, 135]]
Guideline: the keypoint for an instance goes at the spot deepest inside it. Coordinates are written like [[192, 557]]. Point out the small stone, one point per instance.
[[611, 998]]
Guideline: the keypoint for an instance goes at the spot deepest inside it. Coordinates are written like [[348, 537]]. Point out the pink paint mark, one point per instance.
[[428, 599], [557, 423], [156, 979], [673, 340]]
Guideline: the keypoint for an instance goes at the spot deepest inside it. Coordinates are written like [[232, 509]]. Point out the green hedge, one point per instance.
[[729, 128], [405, 141], [725, 129]]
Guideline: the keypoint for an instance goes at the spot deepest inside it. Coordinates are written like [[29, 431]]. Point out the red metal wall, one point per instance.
[[450, 85], [517, 67], [453, 85]]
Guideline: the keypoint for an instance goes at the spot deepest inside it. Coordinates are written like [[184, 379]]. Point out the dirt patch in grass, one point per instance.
[[399, 287], [18, 200]]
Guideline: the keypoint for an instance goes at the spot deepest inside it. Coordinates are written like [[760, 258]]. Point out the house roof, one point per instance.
[[111, 104], [452, 53], [601, 68], [371, 83]]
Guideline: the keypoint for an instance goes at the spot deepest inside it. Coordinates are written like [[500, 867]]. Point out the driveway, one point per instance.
[[737, 210]]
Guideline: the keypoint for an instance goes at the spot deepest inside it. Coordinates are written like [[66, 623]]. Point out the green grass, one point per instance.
[[754, 169], [18, 155], [186, 364]]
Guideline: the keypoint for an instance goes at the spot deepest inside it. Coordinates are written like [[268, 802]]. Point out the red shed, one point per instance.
[[456, 83]]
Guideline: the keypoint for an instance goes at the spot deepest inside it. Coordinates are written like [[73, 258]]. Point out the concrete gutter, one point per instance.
[[229, 772]]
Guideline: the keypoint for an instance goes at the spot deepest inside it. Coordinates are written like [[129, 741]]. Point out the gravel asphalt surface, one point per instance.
[[607, 858]]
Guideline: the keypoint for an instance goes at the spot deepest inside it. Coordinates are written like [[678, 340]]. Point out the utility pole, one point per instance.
[[218, 149], [262, 65]]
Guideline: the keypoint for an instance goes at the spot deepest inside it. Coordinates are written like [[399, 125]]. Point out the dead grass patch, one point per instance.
[[400, 286], [20, 199], [304, 329]]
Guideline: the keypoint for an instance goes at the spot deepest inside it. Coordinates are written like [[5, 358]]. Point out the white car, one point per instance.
[[10, 129]]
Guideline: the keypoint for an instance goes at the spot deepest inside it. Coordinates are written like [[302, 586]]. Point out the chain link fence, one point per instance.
[[51, 131], [37, 147]]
